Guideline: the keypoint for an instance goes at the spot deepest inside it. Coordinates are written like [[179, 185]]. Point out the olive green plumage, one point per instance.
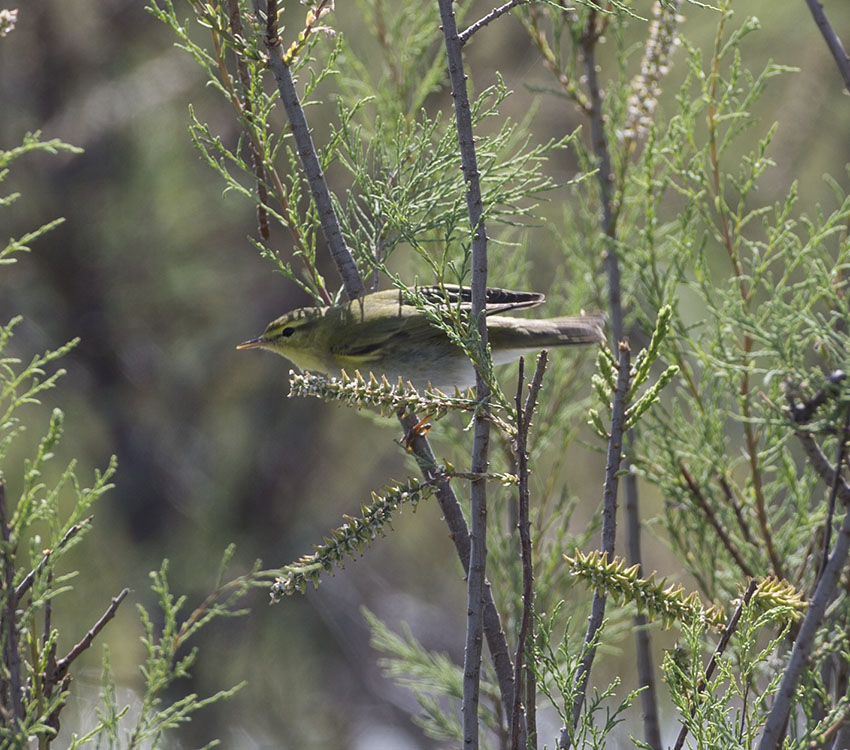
[[384, 334]]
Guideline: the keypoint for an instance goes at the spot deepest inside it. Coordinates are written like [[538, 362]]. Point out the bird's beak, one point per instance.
[[252, 344]]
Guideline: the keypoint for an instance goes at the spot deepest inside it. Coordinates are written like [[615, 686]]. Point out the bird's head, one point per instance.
[[298, 336]]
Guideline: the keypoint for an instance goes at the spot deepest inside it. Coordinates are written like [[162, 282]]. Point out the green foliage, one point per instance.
[[656, 599], [557, 669], [350, 539], [727, 710], [768, 322], [744, 303], [165, 664], [31, 144], [605, 379], [51, 512], [432, 677], [357, 392]]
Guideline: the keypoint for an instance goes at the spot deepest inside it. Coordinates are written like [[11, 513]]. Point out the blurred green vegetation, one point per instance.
[[153, 271]]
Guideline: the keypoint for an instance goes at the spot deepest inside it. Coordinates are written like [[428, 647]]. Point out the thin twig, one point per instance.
[[608, 218], [589, 39], [30, 577], [609, 532], [802, 413], [257, 163], [11, 674], [519, 740], [341, 255], [736, 508], [696, 493], [552, 59], [465, 35], [832, 40], [822, 467], [840, 454], [243, 111], [728, 631], [65, 662]]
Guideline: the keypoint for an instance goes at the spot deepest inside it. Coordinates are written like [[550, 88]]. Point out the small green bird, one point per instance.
[[384, 333]]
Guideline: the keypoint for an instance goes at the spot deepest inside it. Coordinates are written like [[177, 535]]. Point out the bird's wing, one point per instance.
[[375, 337], [497, 300]]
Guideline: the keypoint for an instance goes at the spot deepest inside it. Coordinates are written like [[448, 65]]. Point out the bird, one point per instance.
[[386, 334]]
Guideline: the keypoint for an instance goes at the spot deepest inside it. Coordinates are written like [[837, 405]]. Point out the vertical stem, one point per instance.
[[609, 531], [339, 251], [14, 708], [481, 430], [725, 637], [459, 534], [519, 738], [643, 645], [842, 61], [824, 594], [606, 180]]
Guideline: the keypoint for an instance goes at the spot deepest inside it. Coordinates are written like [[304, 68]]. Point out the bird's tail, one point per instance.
[[524, 334]]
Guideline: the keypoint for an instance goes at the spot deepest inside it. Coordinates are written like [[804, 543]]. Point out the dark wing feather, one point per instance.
[[497, 300]]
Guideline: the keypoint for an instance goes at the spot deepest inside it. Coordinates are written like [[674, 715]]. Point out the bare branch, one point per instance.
[[824, 593], [821, 465], [459, 534], [840, 455], [802, 413], [476, 581], [832, 40], [11, 674], [643, 643], [609, 532], [519, 737], [465, 35], [64, 663], [341, 255]]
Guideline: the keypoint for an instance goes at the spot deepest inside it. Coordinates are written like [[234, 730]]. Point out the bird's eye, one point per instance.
[[287, 332]]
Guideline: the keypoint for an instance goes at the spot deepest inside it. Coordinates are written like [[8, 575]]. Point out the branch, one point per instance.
[[256, 156], [609, 532], [832, 41], [64, 663], [465, 35], [459, 534], [476, 582], [519, 738], [341, 255], [696, 493], [643, 644], [601, 149], [736, 508], [10, 676], [824, 594], [821, 465], [603, 156], [30, 577], [802, 413], [840, 449]]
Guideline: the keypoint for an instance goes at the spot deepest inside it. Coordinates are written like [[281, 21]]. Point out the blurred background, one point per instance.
[[153, 270]]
